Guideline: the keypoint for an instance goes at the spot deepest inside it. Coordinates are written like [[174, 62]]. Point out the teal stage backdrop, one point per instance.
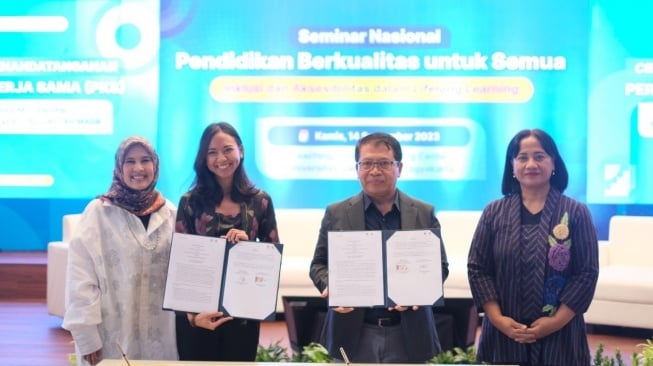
[[302, 81]]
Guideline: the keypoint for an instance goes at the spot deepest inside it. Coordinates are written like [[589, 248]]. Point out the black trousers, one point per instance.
[[235, 340]]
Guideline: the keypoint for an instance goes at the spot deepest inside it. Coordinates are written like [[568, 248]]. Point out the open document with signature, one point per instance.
[[384, 268], [208, 274]]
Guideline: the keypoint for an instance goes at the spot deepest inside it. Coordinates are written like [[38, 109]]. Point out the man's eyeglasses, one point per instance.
[[381, 164]]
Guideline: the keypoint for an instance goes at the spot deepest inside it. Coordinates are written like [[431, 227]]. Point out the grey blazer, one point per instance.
[[343, 330]]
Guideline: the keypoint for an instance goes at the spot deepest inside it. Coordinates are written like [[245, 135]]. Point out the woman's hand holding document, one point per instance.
[[208, 274]]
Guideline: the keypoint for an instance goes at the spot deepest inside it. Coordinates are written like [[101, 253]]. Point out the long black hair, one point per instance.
[[206, 193], [559, 180]]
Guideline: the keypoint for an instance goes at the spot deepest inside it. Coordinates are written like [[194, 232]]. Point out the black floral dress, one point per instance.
[[256, 218], [235, 340]]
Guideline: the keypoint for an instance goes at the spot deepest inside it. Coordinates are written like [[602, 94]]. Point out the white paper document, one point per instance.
[[384, 268], [355, 268], [252, 280], [414, 267], [194, 273], [209, 274]]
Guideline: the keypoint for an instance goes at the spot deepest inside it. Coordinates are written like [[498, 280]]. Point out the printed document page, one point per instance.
[[194, 273], [355, 268], [251, 280], [414, 267]]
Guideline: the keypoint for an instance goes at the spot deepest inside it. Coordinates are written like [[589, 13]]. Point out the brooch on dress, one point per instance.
[[558, 258]]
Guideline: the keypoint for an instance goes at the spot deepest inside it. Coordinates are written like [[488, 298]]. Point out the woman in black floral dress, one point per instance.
[[222, 202]]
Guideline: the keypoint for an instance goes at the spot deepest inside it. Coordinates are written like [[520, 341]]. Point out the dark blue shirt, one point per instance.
[[375, 220]]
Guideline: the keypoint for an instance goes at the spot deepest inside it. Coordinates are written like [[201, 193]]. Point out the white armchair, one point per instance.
[[457, 231], [624, 292], [57, 266], [298, 229]]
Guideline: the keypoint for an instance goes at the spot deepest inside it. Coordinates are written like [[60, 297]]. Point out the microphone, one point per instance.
[[122, 352], [344, 356]]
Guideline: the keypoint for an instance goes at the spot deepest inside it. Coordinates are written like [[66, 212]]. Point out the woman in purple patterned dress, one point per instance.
[[533, 262]]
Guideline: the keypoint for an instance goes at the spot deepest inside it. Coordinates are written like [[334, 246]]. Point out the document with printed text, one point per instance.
[[384, 268], [209, 274]]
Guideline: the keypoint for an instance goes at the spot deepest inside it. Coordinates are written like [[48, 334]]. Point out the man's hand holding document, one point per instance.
[[384, 268]]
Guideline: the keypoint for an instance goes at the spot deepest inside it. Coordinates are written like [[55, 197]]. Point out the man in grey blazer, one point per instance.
[[398, 334]]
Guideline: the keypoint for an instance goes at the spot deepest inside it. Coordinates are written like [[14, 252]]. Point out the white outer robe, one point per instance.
[[115, 283]]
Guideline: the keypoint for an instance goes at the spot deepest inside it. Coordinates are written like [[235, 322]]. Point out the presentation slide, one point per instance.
[[620, 105], [453, 81], [302, 82], [76, 77]]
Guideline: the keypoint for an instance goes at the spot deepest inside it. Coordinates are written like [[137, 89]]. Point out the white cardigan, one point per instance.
[[115, 282]]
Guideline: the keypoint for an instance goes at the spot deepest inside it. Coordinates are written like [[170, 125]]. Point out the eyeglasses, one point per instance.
[[382, 164]]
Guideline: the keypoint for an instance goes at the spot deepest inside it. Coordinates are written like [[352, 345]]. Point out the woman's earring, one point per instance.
[[553, 172]]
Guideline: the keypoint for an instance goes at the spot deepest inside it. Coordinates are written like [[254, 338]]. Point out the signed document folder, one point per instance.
[[384, 268], [209, 274]]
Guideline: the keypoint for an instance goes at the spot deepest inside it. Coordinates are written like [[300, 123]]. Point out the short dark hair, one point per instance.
[[378, 138], [559, 180]]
